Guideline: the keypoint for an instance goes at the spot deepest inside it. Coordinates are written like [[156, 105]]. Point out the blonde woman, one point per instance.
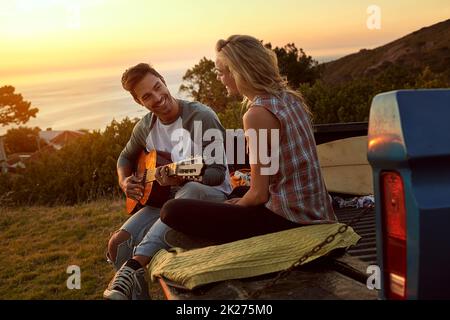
[[295, 195]]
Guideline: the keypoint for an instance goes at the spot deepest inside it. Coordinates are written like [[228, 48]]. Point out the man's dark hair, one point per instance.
[[133, 75]]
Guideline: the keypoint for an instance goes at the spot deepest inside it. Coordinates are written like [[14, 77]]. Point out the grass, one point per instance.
[[38, 244]]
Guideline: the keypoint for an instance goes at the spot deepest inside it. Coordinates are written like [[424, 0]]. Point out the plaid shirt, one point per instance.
[[297, 191]]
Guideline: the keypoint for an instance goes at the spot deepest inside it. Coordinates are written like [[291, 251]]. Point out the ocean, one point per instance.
[[89, 99], [85, 102]]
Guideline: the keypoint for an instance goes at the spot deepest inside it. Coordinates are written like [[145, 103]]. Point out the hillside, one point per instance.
[[429, 46], [37, 244]]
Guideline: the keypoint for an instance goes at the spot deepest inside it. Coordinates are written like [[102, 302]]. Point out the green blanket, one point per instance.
[[246, 258]]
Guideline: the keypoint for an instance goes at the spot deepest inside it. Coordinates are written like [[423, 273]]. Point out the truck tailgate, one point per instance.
[[339, 276]]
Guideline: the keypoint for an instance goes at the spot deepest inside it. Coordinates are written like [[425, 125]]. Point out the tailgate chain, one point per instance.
[[282, 274]]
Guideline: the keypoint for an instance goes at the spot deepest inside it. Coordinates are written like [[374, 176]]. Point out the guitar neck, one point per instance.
[[171, 171]]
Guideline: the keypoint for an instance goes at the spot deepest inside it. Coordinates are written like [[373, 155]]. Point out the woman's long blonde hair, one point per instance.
[[254, 67]]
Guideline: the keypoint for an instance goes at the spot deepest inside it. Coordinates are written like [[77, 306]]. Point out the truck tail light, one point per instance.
[[394, 235]]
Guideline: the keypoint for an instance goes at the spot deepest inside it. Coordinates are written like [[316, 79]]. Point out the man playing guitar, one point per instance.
[[142, 235]]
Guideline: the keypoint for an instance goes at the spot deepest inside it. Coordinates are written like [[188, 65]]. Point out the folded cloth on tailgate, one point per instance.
[[247, 258]]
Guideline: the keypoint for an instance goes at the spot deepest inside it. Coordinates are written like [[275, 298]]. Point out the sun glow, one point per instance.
[[65, 35]]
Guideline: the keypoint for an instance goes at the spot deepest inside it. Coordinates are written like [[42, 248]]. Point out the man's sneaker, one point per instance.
[[124, 284]]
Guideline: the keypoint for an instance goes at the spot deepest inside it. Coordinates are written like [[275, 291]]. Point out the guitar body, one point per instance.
[[155, 195]]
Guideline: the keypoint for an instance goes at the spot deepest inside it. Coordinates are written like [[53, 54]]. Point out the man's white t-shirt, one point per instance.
[[174, 139], [160, 138]]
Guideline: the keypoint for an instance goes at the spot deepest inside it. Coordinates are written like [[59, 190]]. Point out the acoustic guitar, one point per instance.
[[154, 194]]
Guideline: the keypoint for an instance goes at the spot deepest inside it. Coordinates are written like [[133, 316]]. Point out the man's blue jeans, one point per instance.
[[147, 231]]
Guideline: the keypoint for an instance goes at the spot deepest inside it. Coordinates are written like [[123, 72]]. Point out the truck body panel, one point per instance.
[[409, 134]]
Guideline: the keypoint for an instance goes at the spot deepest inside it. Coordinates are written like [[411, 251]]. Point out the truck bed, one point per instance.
[[338, 276]]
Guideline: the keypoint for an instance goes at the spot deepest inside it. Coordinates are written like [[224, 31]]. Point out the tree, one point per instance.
[[295, 65], [350, 101], [202, 85], [231, 117], [13, 109], [23, 139], [428, 79], [82, 170]]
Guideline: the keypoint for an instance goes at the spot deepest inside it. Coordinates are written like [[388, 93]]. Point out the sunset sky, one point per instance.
[[39, 36]]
